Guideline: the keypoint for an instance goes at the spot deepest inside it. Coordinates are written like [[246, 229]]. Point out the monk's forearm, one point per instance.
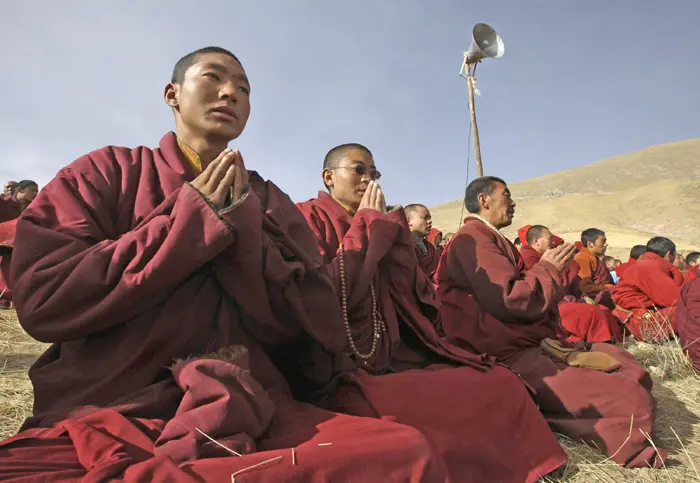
[[66, 289]]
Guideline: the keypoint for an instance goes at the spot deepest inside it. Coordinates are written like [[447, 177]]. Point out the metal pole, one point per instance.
[[475, 129]]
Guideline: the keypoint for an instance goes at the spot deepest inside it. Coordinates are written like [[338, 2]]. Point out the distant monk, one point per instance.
[[692, 262], [466, 407], [594, 276], [13, 206], [650, 291], [420, 222], [610, 264], [10, 189], [446, 239], [688, 320], [636, 252], [491, 304], [435, 237], [582, 321], [181, 293], [517, 243]]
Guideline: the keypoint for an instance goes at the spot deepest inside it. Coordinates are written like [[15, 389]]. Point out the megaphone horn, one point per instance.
[[486, 43]]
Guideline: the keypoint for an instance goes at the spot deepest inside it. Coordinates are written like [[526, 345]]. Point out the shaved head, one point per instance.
[[413, 208], [535, 233], [190, 59], [332, 159]]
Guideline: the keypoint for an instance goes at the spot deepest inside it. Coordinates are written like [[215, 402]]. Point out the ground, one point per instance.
[[677, 390]]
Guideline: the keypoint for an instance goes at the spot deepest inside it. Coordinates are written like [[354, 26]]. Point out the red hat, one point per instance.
[[522, 234], [434, 232]]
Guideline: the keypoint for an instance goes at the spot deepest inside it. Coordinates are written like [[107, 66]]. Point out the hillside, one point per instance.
[[634, 196]]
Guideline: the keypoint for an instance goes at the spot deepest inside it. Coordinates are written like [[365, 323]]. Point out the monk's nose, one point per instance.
[[228, 91]]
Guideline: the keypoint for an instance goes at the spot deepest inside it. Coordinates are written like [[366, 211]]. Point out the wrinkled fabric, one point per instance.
[[126, 268], [428, 260], [491, 303], [622, 268], [688, 320], [378, 250], [650, 290]]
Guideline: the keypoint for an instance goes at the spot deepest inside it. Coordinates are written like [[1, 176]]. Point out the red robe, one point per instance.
[[490, 303], [582, 321], [624, 267], [688, 320], [126, 268], [378, 248], [692, 274], [650, 290], [7, 238]]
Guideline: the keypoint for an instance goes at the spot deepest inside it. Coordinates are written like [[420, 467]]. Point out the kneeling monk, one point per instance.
[[467, 407], [650, 290], [491, 304], [138, 265], [583, 321]]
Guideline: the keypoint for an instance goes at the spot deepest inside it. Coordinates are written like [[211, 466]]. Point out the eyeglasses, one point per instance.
[[362, 170]]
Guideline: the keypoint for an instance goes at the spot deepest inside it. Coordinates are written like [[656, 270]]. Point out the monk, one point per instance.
[[466, 406], [636, 252], [446, 239], [421, 226], [650, 290], [589, 322], [688, 320], [692, 262], [595, 393], [594, 277], [10, 189], [185, 300], [517, 242], [611, 264], [13, 206]]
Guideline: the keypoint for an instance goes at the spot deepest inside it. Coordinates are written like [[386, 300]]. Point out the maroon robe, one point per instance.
[[429, 260], [126, 268], [9, 208], [582, 321], [490, 303], [7, 239], [465, 405], [688, 320], [650, 291]]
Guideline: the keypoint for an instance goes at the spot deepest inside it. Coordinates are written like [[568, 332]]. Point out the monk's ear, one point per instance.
[[484, 200], [172, 95], [327, 177]]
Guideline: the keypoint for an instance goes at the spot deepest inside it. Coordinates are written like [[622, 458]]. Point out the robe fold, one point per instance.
[[650, 290], [465, 406], [688, 320], [582, 321], [490, 303], [126, 268], [595, 278], [7, 239], [428, 257], [693, 273], [620, 270]]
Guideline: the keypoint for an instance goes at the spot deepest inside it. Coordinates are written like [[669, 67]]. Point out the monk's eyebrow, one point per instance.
[[222, 68]]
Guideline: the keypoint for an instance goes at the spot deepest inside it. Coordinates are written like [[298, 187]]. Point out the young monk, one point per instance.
[[650, 291], [688, 320], [610, 264], [594, 277], [582, 321], [636, 252], [491, 304], [446, 239], [466, 406], [692, 262], [178, 290], [421, 225]]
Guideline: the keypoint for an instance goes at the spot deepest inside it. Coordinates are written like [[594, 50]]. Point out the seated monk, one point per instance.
[[7, 238], [692, 263], [595, 393], [595, 279], [582, 321], [466, 406], [610, 264], [13, 206], [186, 300], [435, 237], [650, 291], [688, 320], [420, 224], [636, 252], [446, 239], [9, 189]]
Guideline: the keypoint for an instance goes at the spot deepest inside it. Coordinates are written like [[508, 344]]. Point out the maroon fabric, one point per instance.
[[9, 208], [489, 302], [650, 291], [688, 320], [429, 261], [620, 270], [125, 267], [692, 274], [7, 239], [378, 247]]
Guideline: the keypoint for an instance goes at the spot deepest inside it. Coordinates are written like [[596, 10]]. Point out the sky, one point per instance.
[[580, 81]]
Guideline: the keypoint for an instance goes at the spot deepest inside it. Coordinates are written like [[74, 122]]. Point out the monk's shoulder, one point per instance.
[[108, 163]]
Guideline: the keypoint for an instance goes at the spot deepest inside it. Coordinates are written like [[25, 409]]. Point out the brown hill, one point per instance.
[[655, 191]]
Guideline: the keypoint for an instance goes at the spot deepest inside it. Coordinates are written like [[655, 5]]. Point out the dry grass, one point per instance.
[[677, 391]]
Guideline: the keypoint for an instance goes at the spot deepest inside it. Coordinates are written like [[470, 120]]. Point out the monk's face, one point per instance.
[[420, 221], [498, 207], [10, 188], [543, 243], [26, 195], [600, 246], [213, 100], [349, 180]]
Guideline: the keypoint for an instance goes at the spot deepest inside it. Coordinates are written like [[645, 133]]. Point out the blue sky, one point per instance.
[[580, 81]]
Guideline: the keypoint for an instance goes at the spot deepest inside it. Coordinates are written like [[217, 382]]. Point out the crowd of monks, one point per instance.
[[204, 327]]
